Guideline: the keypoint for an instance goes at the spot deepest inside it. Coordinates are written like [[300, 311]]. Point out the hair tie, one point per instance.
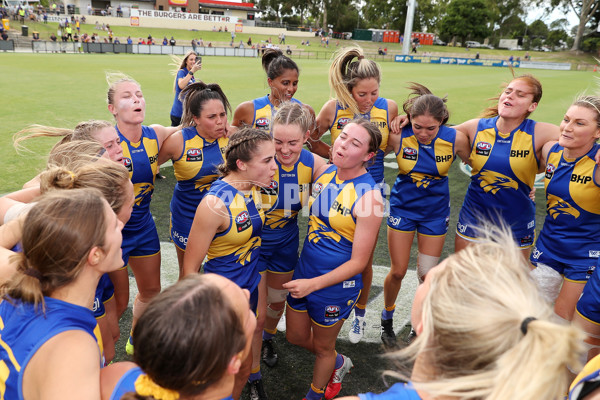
[[526, 322], [100, 153], [72, 175], [360, 57], [33, 273], [144, 386]]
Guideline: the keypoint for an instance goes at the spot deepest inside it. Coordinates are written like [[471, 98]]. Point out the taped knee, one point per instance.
[[276, 295], [548, 281], [424, 264], [275, 314]]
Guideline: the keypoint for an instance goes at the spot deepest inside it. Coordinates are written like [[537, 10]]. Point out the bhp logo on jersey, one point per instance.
[[127, 164], [483, 149], [342, 122], [408, 153], [332, 312], [242, 221], [194, 155], [262, 123], [580, 179], [550, 168]]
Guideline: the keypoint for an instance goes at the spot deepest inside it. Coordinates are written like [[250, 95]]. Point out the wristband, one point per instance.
[[190, 73]]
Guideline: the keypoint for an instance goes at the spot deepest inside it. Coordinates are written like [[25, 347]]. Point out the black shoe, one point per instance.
[[388, 337], [269, 355], [257, 390], [159, 176], [412, 335]]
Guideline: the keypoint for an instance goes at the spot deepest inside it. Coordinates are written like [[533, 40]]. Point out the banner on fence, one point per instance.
[[184, 16], [456, 61]]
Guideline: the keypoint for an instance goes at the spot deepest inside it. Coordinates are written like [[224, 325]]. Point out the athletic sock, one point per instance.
[[255, 375], [339, 360], [269, 335], [359, 310], [388, 312], [314, 393]]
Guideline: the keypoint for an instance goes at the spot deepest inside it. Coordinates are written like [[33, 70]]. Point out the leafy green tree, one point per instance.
[[537, 29], [584, 9], [554, 38], [467, 19]]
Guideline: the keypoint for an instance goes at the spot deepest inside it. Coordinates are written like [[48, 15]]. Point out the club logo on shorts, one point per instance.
[[242, 221], [590, 271], [332, 312], [194, 155], [526, 240], [127, 164], [342, 122], [550, 168], [483, 149], [262, 123], [408, 153]]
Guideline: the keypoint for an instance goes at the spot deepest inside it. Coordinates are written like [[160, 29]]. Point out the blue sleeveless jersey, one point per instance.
[[284, 198], [573, 208], [503, 173], [195, 170], [141, 160], [331, 226], [234, 252], [379, 116], [421, 189], [399, 391], [177, 108], [590, 373], [127, 383], [264, 111], [23, 330]]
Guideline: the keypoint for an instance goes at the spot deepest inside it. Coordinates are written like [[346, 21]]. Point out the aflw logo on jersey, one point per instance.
[[127, 164], [342, 122], [262, 123], [550, 168], [242, 221], [194, 155], [483, 149], [317, 188], [408, 153]]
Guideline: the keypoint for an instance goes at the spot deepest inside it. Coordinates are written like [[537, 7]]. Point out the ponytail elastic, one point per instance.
[[526, 322], [33, 273]]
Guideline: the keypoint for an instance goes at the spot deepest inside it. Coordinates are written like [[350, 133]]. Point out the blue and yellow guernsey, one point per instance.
[[379, 116], [331, 227], [590, 375], [264, 111], [141, 160], [503, 173], [234, 252], [195, 170], [421, 189], [23, 330], [284, 198], [573, 207]]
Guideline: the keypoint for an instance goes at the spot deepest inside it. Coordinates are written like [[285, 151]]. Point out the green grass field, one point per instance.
[[63, 89]]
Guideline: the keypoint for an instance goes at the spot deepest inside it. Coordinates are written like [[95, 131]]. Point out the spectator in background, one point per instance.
[[172, 42], [4, 35], [45, 17], [194, 45], [89, 9], [165, 41], [129, 40], [117, 41], [249, 42]]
